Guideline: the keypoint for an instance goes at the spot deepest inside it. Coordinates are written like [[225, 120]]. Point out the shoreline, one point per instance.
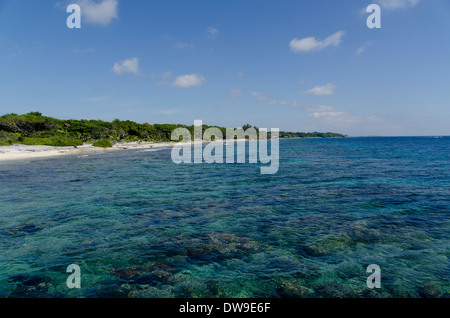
[[23, 152]]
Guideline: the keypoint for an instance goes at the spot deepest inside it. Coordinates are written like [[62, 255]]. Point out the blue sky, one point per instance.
[[295, 65]]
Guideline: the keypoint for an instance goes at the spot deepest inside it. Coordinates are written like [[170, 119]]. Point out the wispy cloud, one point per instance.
[[313, 44], [363, 48], [234, 93], [164, 78], [184, 81], [183, 46], [260, 96], [331, 118], [212, 32], [126, 66], [166, 74], [99, 12], [331, 114], [360, 50], [168, 111], [273, 100], [328, 89]]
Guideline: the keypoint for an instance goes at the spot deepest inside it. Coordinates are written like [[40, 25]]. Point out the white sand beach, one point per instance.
[[18, 152]]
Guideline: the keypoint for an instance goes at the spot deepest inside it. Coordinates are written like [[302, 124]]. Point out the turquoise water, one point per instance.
[[139, 225]]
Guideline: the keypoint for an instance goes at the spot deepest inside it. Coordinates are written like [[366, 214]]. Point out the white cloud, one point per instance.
[[329, 118], [234, 93], [168, 111], [166, 74], [320, 108], [260, 96], [312, 44], [212, 32], [363, 48], [163, 78], [360, 50], [333, 115], [272, 100], [184, 81], [126, 66], [183, 46], [397, 4], [99, 12], [328, 89], [327, 115]]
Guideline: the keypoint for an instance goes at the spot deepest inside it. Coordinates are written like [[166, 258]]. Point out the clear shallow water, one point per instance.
[[140, 226]]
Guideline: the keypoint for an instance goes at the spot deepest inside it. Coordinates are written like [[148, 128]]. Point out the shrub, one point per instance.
[[7, 139], [33, 141], [103, 143], [64, 142], [8, 142], [53, 141]]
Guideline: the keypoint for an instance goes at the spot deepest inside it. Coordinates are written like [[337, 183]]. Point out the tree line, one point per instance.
[[35, 129]]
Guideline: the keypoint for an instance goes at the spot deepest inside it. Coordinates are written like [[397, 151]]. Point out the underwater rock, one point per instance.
[[191, 289], [26, 286], [428, 291], [186, 285], [36, 281], [151, 275], [128, 273], [28, 228], [349, 271], [212, 246], [135, 281], [297, 268], [335, 290], [292, 289], [360, 231], [77, 180], [145, 291], [108, 289], [325, 245]]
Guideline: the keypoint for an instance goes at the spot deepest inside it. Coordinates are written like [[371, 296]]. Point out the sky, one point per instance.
[[297, 65]]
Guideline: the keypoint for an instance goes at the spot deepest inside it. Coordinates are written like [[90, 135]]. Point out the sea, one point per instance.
[[137, 225]]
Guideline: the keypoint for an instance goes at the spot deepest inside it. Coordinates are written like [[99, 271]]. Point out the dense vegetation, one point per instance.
[[36, 129], [284, 134], [103, 143]]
